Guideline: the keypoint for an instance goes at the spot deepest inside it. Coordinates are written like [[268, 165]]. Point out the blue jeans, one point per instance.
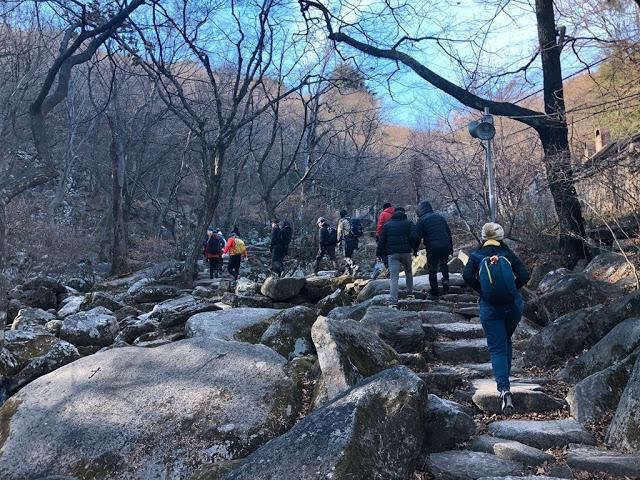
[[499, 323]]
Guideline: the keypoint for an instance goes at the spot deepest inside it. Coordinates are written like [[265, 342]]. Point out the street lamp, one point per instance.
[[483, 129]]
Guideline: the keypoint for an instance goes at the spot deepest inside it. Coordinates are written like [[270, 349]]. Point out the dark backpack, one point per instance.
[[214, 246], [333, 235], [285, 233], [497, 281], [356, 227]]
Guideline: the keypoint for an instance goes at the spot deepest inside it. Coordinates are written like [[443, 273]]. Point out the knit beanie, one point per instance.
[[492, 231]]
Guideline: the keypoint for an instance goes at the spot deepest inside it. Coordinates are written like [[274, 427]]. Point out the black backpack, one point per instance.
[[356, 227], [333, 235], [285, 233], [213, 244]]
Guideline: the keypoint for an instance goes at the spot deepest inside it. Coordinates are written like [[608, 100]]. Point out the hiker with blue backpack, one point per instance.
[[497, 274], [349, 230], [213, 245]]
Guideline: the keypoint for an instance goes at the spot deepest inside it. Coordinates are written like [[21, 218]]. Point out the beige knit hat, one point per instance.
[[492, 231]]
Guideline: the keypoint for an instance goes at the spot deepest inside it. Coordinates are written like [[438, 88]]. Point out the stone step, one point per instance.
[[460, 298], [527, 397], [454, 331], [543, 434], [483, 370], [443, 379], [469, 311], [511, 450], [468, 465], [437, 317], [595, 460], [418, 305], [462, 351]]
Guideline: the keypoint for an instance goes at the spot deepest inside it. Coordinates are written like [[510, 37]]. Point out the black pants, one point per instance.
[[234, 265], [277, 260], [215, 267], [329, 252], [384, 258], [438, 258]]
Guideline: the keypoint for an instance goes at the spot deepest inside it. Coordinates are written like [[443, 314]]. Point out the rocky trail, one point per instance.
[[314, 377]]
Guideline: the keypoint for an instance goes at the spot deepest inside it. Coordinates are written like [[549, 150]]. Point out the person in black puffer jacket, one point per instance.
[[396, 241], [433, 230]]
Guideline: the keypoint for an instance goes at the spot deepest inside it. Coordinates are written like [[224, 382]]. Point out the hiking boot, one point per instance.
[[433, 295], [507, 402]]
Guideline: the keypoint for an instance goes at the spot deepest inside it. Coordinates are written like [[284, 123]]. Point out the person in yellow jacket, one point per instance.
[[236, 249]]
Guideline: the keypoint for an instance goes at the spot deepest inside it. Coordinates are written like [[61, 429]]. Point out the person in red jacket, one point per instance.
[[385, 216]]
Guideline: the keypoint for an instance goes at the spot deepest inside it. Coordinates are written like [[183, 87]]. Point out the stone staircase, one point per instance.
[[540, 441]]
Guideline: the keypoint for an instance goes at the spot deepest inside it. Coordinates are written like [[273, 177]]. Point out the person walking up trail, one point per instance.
[[236, 249], [280, 239], [497, 274], [433, 230], [213, 245], [327, 244], [349, 230], [385, 216], [396, 241]]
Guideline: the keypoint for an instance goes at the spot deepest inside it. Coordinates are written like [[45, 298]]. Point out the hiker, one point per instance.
[[213, 246], [433, 230], [497, 274], [280, 240], [236, 249], [385, 216], [327, 244], [396, 242], [349, 230]]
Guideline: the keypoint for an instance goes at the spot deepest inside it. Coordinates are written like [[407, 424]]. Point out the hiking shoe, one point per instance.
[[507, 402]]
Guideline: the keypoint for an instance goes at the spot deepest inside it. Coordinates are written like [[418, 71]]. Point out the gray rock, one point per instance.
[[95, 327], [44, 282], [458, 351], [244, 286], [290, 332], [139, 285], [25, 345], [242, 324], [281, 289], [613, 268], [70, 306], [29, 317], [454, 331], [175, 312], [595, 460], [442, 379], [527, 477], [328, 303], [54, 326], [155, 293], [623, 339], [347, 353], [447, 424], [80, 284], [468, 465], [577, 331], [527, 397], [624, 431], [420, 283], [100, 299], [552, 280], [592, 398], [8, 364], [132, 331], [403, 331], [373, 431], [543, 434], [177, 406], [317, 288], [511, 450], [436, 317]]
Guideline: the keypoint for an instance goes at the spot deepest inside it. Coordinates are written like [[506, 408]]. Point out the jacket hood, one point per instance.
[[424, 208]]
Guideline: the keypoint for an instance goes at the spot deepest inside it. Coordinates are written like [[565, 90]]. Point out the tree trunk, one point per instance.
[[3, 231], [555, 139], [119, 237]]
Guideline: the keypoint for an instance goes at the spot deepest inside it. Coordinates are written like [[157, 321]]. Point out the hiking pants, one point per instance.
[[234, 265], [396, 262], [215, 266], [499, 323], [350, 246], [438, 257], [277, 260], [329, 251]]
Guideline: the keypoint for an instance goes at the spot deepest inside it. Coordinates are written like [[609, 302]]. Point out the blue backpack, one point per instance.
[[497, 281]]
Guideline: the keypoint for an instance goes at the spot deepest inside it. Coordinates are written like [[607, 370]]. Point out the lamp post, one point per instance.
[[483, 129]]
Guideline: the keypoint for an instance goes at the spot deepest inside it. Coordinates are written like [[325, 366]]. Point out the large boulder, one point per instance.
[[567, 293], [290, 332], [613, 268], [95, 327], [155, 293], [70, 305], [591, 399], [100, 299], [577, 331], [623, 339], [177, 406], [347, 353], [175, 312], [374, 431], [242, 324], [543, 434], [624, 431], [468, 465], [244, 286], [316, 288], [337, 299], [31, 317], [447, 423], [402, 330], [25, 345], [44, 282], [281, 289]]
